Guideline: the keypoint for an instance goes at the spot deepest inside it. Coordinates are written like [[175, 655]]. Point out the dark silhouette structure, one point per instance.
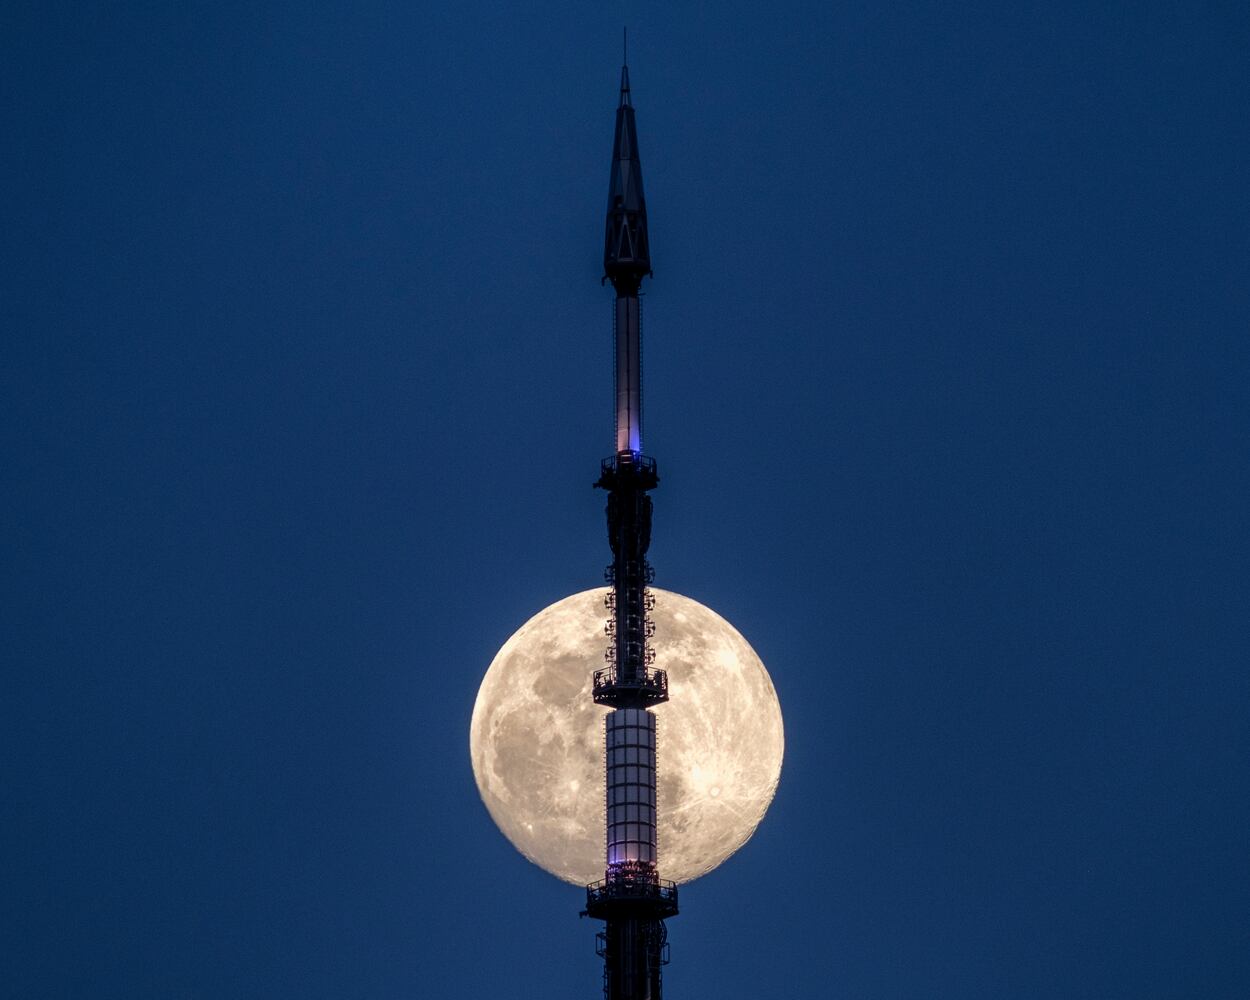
[[632, 898]]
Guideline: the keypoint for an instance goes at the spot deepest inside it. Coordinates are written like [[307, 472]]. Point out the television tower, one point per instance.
[[632, 898]]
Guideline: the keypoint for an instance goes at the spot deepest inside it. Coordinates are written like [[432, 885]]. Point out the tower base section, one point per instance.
[[633, 952], [634, 944]]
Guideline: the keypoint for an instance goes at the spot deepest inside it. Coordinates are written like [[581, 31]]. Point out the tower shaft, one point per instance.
[[627, 328]]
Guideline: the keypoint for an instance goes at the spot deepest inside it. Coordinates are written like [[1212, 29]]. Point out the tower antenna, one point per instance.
[[631, 899]]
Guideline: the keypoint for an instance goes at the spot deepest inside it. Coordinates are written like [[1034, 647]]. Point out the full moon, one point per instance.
[[536, 738]]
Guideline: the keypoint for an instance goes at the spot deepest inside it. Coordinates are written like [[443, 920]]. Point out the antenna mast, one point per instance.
[[631, 898]]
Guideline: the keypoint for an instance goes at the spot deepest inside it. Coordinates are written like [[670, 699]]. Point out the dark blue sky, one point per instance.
[[306, 378]]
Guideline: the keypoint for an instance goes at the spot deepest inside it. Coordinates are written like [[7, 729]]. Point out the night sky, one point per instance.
[[306, 377]]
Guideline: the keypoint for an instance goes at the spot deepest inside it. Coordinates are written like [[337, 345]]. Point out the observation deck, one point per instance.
[[643, 690], [631, 468], [634, 895]]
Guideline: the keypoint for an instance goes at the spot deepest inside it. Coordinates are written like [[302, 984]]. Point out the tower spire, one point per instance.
[[626, 250], [624, 65]]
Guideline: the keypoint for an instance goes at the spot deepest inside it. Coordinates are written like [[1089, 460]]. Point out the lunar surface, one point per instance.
[[536, 739]]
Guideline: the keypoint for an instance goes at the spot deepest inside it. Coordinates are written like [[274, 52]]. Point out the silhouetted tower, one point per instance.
[[631, 898]]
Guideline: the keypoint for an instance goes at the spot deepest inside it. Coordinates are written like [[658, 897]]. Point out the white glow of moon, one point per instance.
[[536, 738]]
